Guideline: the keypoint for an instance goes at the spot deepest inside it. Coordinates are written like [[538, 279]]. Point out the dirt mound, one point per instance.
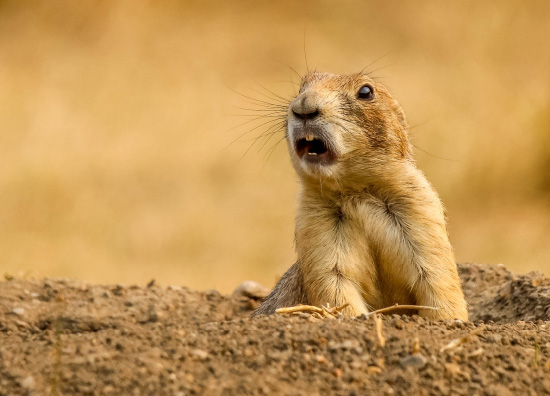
[[494, 294], [67, 337]]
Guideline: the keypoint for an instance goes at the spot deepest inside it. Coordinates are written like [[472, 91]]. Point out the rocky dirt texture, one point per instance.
[[63, 337]]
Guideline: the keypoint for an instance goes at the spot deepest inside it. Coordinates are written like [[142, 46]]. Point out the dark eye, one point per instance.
[[366, 93]]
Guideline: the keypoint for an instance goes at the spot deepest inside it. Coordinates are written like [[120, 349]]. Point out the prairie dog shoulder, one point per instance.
[[370, 229]]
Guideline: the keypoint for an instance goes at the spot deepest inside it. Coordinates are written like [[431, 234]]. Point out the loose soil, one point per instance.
[[65, 337]]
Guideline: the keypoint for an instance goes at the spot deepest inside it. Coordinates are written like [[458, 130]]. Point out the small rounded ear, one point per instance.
[[401, 115]]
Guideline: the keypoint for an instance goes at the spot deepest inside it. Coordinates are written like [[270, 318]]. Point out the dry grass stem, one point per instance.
[[416, 346], [379, 335], [397, 306], [317, 312], [477, 352], [459, 341], [331, 313]]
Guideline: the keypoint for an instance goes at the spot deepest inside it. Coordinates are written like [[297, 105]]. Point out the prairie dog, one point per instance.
[[370, 229]]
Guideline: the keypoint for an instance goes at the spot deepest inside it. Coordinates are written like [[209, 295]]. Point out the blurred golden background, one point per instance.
[[117, 120]]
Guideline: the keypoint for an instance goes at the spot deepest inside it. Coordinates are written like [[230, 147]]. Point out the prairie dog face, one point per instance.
[[344, 125]]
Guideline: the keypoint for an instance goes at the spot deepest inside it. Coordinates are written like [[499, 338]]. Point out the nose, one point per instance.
[[305, 107]]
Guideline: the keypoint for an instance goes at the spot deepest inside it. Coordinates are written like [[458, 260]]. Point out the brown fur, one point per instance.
[[370, 229]]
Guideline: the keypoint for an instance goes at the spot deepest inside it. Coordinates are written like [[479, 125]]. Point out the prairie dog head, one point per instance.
[[345, 128]]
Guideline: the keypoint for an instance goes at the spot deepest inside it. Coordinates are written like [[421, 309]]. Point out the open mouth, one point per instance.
[[313, 150]]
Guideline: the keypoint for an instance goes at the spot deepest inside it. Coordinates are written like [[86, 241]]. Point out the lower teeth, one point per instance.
[[311, 153]]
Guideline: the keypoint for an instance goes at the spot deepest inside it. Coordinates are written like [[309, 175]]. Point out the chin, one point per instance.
[[316, 169]]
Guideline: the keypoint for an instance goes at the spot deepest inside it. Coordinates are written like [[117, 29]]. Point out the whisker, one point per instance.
[[279, 123], [267, 114], [288, 82], [373, 62], [380, 68], [433, 155], [255, 100], [251, 130], [270, 135], [262, 110], [261, 125], [267, 106], [271, 150], [248, 121], [262, 135], [305, 53], [274, 96], [277, 101], [295, 72], [272, 129]]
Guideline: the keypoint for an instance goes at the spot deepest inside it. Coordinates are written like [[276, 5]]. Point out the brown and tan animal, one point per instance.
[[370, 229]]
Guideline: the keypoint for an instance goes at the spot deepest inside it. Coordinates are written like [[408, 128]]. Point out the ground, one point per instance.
[[65, 337]]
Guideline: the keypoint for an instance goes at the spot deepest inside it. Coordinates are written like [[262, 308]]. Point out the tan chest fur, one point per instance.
[[375, 248], [332, 244]]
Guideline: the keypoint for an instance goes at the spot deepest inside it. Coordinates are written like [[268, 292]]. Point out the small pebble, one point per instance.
[[399, 324], [18, 311], [251, 289], [199, 354], [374, 370], [415, 361], [28, 382]]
